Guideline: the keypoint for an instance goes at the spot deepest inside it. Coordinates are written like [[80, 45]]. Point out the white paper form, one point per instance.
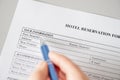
[[91, 41]]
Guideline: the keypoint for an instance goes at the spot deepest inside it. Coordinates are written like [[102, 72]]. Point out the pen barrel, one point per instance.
[[52, 71], [45, 51]]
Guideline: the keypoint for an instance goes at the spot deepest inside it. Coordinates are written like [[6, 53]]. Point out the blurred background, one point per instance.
[[110, 8]]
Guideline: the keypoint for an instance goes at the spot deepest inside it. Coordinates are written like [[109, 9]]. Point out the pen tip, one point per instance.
[[42, 41]]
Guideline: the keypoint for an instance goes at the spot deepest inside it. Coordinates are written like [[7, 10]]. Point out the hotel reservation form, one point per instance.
[[89, 40]]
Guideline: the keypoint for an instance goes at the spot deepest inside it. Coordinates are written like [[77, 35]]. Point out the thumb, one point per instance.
[[41, 72]]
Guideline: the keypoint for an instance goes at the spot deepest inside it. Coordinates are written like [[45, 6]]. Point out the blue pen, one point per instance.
[[51, 68]]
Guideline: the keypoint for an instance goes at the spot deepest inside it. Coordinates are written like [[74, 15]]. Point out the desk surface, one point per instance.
[[109, 8]]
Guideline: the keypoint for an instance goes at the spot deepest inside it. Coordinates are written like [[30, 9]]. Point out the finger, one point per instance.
[[41, 72], [62, 62], [67, 66], [61, 75]]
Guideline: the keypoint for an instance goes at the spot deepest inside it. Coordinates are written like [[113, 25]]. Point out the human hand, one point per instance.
[[66, 69]]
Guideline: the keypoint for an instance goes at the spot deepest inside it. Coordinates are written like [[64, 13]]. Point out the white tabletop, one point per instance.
[[109, 8]]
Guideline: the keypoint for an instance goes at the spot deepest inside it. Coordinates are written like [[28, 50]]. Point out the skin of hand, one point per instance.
[[65, 68]]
